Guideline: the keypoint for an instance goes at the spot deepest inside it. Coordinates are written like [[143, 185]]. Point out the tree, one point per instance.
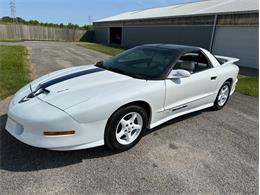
[[87, 27], [7, 19], [19, 20]]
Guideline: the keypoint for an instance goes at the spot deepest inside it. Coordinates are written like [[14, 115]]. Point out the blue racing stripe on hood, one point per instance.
[[42, 87], [67, 77]]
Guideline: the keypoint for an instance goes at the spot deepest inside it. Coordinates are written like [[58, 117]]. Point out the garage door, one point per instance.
[[240, 42]]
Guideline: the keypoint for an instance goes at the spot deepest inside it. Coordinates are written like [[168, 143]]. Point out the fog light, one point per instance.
[[53, 133]]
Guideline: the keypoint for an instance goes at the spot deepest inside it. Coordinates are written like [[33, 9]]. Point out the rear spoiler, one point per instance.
[[223, 60]]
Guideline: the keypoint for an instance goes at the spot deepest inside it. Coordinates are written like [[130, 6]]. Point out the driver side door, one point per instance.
[[193, 92]]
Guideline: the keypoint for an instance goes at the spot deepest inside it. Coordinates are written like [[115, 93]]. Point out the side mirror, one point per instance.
[[179, 73]]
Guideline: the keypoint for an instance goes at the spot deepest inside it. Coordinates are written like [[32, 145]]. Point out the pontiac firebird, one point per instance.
[[114, 101]]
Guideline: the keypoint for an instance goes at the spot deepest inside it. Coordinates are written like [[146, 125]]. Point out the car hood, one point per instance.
[[69, 87]]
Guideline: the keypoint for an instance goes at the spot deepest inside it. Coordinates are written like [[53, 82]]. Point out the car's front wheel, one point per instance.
[[125, 127], [223, 96]]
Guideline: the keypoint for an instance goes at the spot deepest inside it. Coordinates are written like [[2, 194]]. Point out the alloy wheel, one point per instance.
[[223, 95], [129, 128]]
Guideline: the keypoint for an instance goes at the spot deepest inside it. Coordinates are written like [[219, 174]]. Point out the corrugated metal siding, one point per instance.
[[226, 19], [198, 20], [240, 42], [189, 35], [250, 19]]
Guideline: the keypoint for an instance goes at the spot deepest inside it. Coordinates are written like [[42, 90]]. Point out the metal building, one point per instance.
[[226, 27]]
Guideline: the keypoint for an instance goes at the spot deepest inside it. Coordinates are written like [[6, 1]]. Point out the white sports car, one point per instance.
[[113, 102]]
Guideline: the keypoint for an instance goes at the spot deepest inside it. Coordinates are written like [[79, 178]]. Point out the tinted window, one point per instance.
[[142, 62]]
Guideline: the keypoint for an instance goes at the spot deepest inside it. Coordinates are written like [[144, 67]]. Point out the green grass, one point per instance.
[[10, 40], [106, 49], [14, 69], [248, 86]]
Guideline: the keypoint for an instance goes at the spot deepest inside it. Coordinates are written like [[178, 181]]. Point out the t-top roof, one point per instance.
[[205, 7], [180, 48]]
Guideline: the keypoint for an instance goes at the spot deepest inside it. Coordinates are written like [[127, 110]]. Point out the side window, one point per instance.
[[203, 63], [193, 62]]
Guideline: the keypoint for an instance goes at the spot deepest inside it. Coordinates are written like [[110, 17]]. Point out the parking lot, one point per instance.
[[207, 152]]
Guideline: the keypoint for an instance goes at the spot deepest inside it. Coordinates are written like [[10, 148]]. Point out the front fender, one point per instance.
[[102, 107]]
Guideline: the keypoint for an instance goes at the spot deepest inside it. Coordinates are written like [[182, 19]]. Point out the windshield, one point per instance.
[[141, 62]]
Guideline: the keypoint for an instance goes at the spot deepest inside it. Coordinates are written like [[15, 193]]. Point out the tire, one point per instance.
[[125, 128], [221, 102]]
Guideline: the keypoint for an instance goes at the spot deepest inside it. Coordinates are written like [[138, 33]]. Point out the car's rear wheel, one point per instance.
[[125, 127], [223, 96]]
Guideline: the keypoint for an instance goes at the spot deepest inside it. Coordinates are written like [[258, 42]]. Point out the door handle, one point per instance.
[[213, 78]]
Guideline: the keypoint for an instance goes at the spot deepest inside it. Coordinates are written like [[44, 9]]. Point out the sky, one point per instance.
[[78, 11]]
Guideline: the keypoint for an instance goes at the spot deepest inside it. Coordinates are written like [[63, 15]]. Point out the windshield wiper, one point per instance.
[[117, 70], [142, 76]]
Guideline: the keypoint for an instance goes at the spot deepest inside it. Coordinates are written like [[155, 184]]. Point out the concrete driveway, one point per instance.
[[207, 152]]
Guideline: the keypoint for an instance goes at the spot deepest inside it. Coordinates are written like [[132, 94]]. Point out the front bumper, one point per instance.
[[27, 122]]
